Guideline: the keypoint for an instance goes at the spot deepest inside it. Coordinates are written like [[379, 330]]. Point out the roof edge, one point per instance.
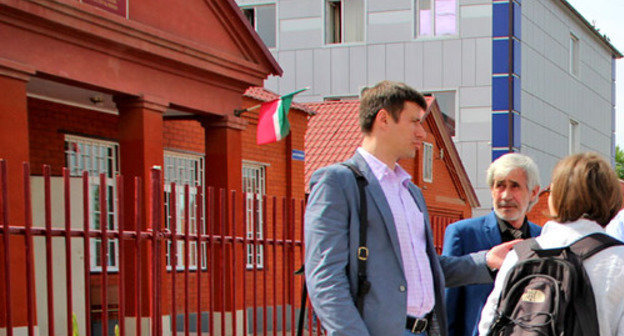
[[601, 37]]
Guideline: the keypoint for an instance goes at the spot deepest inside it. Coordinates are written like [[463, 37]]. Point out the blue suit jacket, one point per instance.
[[331, 240], [464, 304]]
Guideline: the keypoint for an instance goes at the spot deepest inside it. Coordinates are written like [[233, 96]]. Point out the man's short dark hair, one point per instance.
[[387, 95]]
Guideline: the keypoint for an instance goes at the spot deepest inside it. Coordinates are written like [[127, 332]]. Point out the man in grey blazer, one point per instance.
[[406, 276]]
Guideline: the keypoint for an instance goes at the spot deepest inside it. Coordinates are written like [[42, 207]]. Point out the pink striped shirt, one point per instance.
[[410, 226]]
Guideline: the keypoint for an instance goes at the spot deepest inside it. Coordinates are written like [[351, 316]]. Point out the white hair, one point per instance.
[[502, 166]]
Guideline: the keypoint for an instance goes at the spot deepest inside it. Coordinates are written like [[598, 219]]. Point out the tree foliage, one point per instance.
[[619, 162]]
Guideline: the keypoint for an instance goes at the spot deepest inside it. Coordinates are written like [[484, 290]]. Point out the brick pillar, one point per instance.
[[224, 172], [141, 148], [14, 149]]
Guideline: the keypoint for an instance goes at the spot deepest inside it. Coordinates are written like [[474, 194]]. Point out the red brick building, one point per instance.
[[333, 136], [120, 90]]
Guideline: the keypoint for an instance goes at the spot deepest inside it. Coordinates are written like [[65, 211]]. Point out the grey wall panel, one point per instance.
[[300, 33], [484, 61], [272, 83], [376, 63], [451, 66], [475, 21], [468, 154], [339, 70], [468, 62], [322, 70], [292, 9], [357, 69], [305, 69], [432, 65], [484, 158], [414, 64], [475, 124], [388, 27], [395, 62], [288, 64], [381, 6], [480, 96]]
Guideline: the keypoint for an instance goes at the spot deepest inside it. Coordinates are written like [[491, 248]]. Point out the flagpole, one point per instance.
[[238, 112]]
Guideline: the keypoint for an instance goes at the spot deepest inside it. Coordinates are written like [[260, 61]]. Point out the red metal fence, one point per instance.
[[223, 294]]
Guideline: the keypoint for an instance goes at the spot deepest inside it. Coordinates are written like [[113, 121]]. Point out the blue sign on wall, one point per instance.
[[298, 155]]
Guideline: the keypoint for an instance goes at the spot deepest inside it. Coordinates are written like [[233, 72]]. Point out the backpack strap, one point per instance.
[[592, 244], [362, 252], [526, 249]]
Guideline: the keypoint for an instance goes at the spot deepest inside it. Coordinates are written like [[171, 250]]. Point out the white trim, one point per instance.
[[427, 162]]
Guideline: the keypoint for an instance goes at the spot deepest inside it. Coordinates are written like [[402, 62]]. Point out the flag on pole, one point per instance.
[[273, 122]]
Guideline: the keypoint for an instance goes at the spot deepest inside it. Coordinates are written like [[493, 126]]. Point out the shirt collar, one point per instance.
[[505, 226], [380, 169]]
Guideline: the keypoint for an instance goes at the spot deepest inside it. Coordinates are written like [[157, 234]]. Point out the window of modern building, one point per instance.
[[263, 19], [184, 169], [574, 137], [574, 55], [254, 180], [427, 162], [97, 157], [344, 21], [435, 18]]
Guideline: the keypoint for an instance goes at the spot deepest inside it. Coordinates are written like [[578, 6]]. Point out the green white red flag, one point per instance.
[[273, 122]]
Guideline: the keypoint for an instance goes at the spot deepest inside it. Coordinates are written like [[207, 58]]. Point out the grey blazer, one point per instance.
[[331, 241]]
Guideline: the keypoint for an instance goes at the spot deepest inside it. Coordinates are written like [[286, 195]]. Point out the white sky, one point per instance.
[[608, 16]]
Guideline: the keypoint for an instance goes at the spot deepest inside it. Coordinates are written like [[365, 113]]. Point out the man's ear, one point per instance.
[[535, 192], [381, 118]]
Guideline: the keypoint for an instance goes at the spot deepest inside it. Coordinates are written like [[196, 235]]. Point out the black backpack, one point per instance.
[[548, 291]]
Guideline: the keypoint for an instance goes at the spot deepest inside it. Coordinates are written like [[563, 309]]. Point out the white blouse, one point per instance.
[[605, 271]]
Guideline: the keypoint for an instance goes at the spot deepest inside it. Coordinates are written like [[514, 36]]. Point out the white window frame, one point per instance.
[[343, 25], [427, 162], [575, 57], [254, 187], [97, 156], [254, 24], [416, 21], [184, 169], [574, 137]]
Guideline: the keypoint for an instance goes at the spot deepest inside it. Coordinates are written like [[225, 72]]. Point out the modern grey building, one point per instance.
[[531, 76]]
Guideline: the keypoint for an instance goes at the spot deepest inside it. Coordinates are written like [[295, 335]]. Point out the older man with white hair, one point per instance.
[[514, 184]]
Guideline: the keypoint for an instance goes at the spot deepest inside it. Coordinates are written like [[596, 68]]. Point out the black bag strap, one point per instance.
[[592, 244], [362, 252]]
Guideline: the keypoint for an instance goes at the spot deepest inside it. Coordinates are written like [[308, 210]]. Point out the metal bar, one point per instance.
[[233, 270], [274, 224], [211, 260], [104, 252], [48, 248], [291, 275], [222, 217], [199, 201], [187, 263], [121, 254], [264, 274], [173, 254], [254, 232], [137, 254], [7, 248], [87, 249], [30, 280], [68, 252], [155, 219], [284, 262]]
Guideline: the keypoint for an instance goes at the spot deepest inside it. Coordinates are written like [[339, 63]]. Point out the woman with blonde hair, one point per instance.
[[584, 196]]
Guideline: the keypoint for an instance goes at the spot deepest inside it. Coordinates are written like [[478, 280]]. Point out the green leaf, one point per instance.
[[75, 325]]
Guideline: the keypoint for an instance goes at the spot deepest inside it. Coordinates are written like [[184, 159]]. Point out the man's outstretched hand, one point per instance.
[[495, 256]]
